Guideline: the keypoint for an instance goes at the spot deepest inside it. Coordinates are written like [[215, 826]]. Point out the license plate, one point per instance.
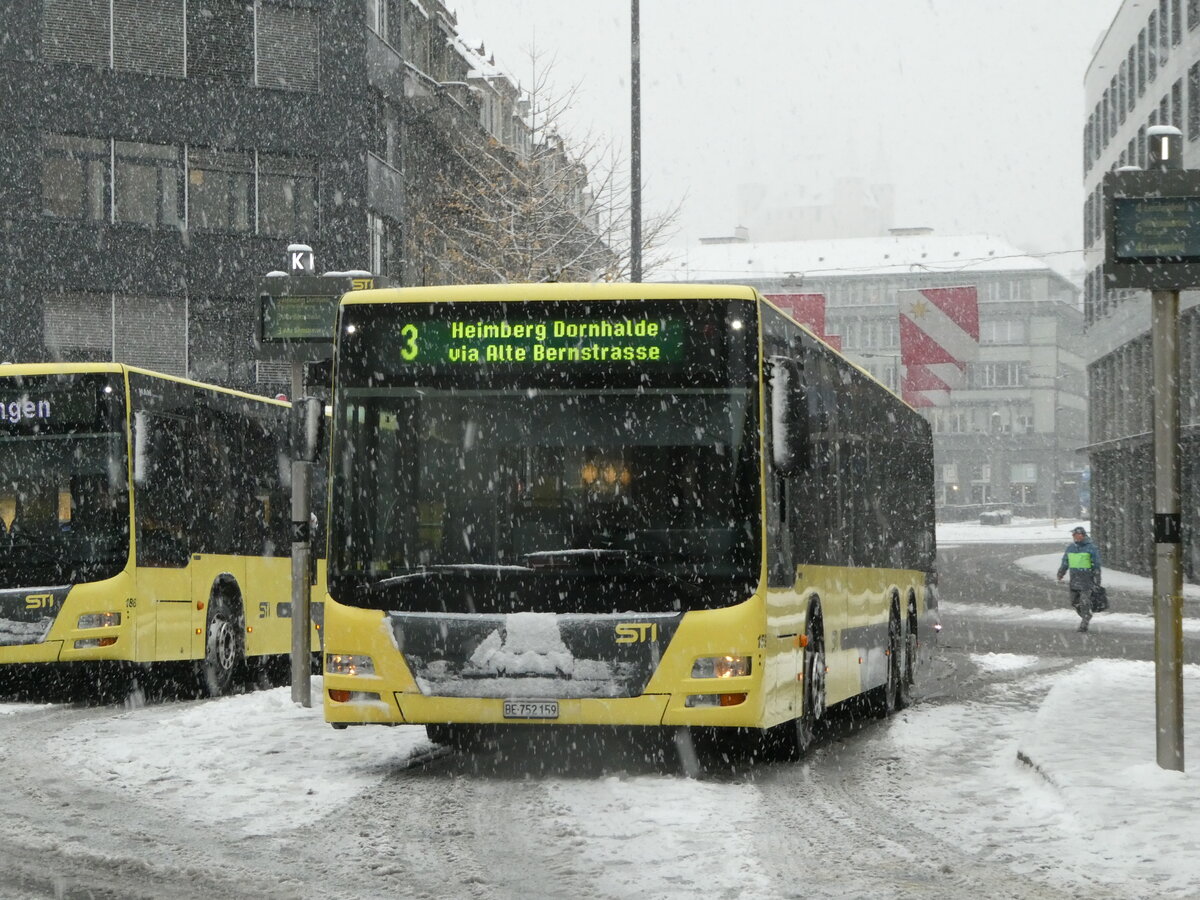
[[531, 709]]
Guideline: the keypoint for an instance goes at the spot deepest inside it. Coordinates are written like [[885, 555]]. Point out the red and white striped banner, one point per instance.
[[939, 335], [808, 310]]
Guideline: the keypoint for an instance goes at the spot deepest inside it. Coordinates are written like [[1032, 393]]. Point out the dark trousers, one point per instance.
[[1082, 601]]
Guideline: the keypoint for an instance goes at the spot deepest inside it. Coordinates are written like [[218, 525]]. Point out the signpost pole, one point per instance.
[[300, 262], [301, 612], [297, 310], [1152, 242], [1168, 572]]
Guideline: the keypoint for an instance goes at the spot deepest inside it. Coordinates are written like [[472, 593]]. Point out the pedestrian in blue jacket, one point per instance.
[[1082, 560]]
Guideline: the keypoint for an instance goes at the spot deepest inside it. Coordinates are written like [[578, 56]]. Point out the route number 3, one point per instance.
[[409, 348]]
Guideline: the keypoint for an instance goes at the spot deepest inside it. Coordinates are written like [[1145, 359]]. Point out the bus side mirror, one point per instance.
[[789, 416], [307, 426]]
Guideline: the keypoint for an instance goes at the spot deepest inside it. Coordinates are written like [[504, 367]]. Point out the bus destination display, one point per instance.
[[1157, 228], [39, 406], [551, 341]]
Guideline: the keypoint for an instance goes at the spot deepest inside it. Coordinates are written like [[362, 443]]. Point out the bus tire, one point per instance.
[[224, 646], [813, 690], [891, 699], [908, 662], [456, 736]]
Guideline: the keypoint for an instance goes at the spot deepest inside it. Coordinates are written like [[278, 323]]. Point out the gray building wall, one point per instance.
[[1146, 71]]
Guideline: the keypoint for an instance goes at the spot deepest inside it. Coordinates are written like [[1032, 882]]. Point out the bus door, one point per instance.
[[163, 509]]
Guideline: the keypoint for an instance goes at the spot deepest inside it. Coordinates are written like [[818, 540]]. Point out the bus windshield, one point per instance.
[[64, 499], [512, 488]]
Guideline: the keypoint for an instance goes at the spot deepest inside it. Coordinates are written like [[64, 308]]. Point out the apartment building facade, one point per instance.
[[162, 154]]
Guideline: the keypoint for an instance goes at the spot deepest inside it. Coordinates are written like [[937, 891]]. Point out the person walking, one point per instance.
[[1082, 560]]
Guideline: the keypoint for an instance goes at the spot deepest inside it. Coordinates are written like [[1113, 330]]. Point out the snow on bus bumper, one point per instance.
[[689, 677]]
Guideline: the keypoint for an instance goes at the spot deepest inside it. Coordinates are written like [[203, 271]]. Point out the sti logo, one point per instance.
[[39, 601], [636, 632]]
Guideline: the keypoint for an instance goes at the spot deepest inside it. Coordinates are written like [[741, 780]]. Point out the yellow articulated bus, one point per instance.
[[143, 519], [621, 505]]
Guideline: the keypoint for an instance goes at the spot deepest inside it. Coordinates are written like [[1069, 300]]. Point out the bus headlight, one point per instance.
[[721, 667], [348, 664], [99, 620]]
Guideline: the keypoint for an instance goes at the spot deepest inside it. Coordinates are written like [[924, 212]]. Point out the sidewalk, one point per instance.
[[1093, 741]]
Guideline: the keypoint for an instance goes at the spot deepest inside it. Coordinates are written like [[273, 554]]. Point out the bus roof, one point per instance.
[[62, 368], [554, 290]]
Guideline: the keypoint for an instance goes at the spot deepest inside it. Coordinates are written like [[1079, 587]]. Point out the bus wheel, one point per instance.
[[224, 648], [813, 669], [893, 687], [457, 736], [908, 665]]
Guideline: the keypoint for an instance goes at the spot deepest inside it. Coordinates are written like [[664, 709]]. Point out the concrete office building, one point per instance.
[[1010, 438], [1145, 72]]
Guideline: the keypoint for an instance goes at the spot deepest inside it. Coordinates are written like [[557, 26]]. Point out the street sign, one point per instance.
[[1152, 229], [296, 313]]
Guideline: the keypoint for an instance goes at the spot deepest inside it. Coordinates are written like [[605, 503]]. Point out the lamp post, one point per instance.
[[635, 144]]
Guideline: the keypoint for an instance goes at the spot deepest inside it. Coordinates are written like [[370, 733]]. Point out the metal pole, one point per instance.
[[635, 153], [301, 638], [1168, 572]]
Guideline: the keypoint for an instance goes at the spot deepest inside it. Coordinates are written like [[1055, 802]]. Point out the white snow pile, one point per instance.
[[1094, 740], [256, 762]]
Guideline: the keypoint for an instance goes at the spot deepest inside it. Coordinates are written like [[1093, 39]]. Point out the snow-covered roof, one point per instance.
[[848, 257], [483, 62]]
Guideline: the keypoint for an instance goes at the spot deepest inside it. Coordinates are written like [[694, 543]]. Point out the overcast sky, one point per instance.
[[973, 109]]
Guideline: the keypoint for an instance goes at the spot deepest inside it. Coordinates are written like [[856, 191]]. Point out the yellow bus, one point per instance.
[[143, 519], [617, 504]]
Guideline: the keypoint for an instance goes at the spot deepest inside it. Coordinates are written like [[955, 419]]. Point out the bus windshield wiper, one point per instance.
[[632, 559], [426, 573]]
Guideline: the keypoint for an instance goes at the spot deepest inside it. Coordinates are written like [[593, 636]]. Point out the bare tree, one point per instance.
[[531, 207]]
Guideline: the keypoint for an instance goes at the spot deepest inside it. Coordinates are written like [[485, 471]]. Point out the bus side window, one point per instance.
[[162, 500]]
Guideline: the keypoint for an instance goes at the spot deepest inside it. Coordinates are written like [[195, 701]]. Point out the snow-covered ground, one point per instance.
[[1093, 739], [1074, 779], [1070, 789]]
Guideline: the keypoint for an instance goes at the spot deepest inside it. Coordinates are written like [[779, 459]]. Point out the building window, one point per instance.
[[1176, 24], [1193, 9], [79, 326], [1115, 106], [999, 374], [1003, 331], [148, 36], [1193, 101], [76, 31], [220, 39], [287, 196], [286, 39], [377, 238], [75, 177], [1141, 69], [1122, 88], [1023, 473], [151, 332], [1152, 47], [148, 184], [377, 17], [220, 190], [1131, 80]]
